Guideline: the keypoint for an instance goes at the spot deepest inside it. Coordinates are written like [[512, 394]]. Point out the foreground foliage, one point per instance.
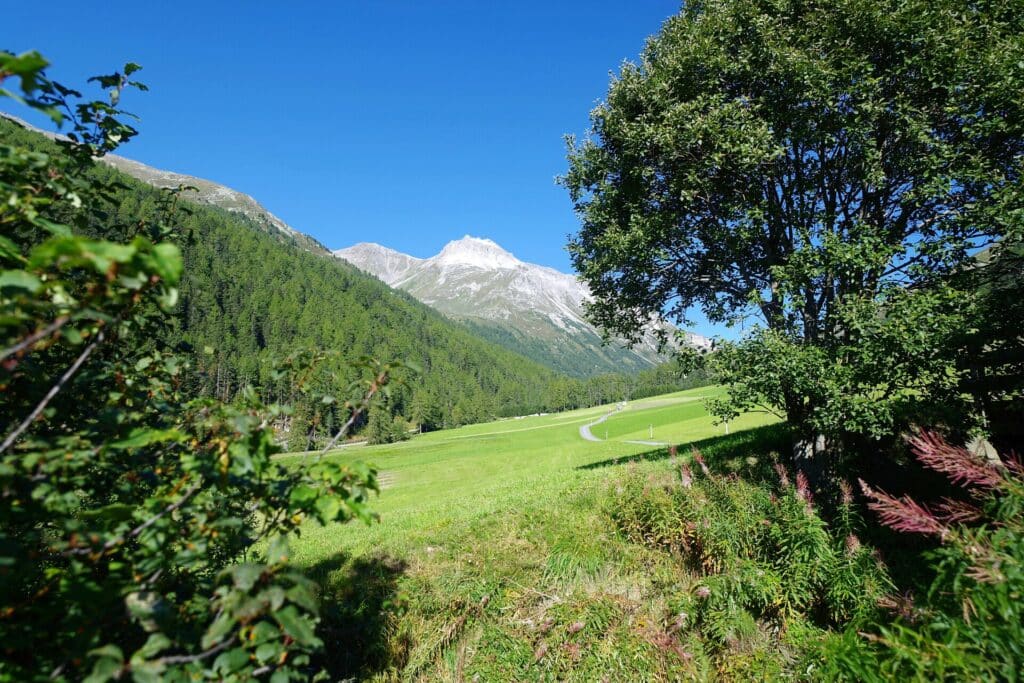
[[129, 514], [969, 624], [769, 574]]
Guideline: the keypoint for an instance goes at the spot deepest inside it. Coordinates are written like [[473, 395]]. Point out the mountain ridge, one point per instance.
[[534, 311], [529, 308], [200, 190]]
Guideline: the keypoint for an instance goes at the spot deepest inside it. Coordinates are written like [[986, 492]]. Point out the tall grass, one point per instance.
[[768, 574]]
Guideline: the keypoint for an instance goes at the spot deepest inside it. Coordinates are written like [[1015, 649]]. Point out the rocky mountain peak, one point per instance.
[[531, 309], [477, 252], [387, 264]]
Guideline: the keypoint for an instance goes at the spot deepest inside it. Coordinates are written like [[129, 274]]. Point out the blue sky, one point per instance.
[[404, 123]]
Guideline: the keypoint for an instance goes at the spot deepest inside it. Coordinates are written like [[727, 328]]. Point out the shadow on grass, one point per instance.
[[749, 453], [359, 602]]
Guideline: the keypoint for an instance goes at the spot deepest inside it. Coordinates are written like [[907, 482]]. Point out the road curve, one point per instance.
[[589, 436], [585, 429]]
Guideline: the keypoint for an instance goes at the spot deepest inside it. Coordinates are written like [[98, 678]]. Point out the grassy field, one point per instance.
[[493, 558]]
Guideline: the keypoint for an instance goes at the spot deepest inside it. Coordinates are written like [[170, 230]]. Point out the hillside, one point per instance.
[[197, 190], [530, 309], [254, 291]]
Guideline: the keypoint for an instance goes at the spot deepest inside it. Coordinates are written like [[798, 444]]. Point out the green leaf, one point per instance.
[[105, 669], [167, 262], [217, 630], [246, 575], [141, 436], [303, 494], [296, 625], [301, 595], [109, 662], [9, 249], [267, 651], [148, 672], [11, 280], [117, 512], [232, 660], [55, 229], [277, 549], [154, 645], [328, 508]]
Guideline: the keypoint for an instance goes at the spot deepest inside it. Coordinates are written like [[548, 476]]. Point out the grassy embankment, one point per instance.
[[494, 556]]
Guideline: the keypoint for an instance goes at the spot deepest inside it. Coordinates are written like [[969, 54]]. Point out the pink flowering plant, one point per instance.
[[970, 623]]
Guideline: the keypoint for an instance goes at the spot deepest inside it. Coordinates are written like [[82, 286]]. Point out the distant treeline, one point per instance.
[[252, 295]]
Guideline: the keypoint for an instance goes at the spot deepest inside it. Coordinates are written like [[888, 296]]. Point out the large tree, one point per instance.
[[817, 166]]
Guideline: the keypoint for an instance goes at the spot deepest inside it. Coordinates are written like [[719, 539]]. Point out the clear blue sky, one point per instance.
[[405, 123]]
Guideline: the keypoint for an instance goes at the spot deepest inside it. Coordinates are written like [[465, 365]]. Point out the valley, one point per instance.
[[230, 452]]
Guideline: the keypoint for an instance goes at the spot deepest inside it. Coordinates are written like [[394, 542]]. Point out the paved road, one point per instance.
[[589, 436], [585, 429]]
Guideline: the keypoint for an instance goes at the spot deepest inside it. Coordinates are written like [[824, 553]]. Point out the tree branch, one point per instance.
[[188, 659], [54, 390], [35, 336]]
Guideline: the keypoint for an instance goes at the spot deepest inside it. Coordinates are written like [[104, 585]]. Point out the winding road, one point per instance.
[[586, 434], [585, 429]]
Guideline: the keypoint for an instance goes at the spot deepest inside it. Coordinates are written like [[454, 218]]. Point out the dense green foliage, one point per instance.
[[130, 515], [772, 573], [821, 167], [566, 393], [848, 174], [990, 351]]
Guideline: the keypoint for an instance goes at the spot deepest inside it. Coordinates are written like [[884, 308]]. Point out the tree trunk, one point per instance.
[[807, 447]]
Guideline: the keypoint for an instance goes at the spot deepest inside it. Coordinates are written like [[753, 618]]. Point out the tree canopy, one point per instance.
[[818, 168]]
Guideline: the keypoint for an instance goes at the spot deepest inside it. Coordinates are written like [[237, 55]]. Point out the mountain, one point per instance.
[[199, 190], [531, 309], [253, 293]]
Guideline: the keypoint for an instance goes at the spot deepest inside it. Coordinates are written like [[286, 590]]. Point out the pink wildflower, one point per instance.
[[686, 475], [803, 489], [700, 461], [845, 492], [957, 511], [780, 469], [957, 463], [852, 544], [903, 514]]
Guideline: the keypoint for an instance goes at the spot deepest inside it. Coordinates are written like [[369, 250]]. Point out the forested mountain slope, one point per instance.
[[252, 294]]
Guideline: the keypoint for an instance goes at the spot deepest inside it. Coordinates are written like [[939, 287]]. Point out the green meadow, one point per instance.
[[494, 557]]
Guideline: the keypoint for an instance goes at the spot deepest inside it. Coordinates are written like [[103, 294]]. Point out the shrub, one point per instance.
[[763, 559], [141, 534]]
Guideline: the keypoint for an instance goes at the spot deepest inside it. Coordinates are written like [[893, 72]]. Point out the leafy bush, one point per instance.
[[141, 534]]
